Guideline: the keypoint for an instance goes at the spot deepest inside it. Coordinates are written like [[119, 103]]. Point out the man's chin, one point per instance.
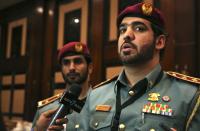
[[131, 60], [127, 59], [70, 81]]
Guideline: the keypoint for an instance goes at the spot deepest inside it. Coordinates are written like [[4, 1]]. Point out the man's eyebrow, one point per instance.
[[137, 23], [122, 24], [72, 58], [78, 58], [132, 23], [65, 59]]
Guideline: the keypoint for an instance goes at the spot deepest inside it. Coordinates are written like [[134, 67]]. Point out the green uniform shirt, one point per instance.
[[73, 118], [167, 102]]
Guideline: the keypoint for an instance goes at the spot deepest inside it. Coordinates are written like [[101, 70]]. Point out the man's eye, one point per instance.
[[140, 28], [78, 61], [122, 29], [65, 62]]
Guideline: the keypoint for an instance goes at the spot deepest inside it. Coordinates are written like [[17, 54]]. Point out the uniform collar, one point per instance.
[[152, 77], [122, 78]]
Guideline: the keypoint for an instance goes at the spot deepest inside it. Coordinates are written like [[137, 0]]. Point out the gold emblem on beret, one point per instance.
[[147, 8], [79, 47]]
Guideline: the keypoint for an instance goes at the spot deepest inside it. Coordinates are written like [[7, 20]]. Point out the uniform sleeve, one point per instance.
[[40, 110], [194, 125], [37, 114]]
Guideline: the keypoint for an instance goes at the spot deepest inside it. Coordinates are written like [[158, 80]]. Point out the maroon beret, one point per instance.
[[73, 48], [146, 11]]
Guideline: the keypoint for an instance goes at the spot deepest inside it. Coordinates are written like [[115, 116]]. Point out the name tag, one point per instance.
[[103, 108]]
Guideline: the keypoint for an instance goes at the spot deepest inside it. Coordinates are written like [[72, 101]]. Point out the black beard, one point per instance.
[[142, 57], [80, 80]]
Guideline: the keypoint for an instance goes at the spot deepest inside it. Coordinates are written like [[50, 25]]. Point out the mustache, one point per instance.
[[72, 74], [128, 44]]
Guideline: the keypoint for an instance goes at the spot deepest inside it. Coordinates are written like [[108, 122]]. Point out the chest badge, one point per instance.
[[154, 96], [166, 98], [104, 108], [157, 108]]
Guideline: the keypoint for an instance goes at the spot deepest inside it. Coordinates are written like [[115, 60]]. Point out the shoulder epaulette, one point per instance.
[[104, 82], [49, 100], [184, 77]]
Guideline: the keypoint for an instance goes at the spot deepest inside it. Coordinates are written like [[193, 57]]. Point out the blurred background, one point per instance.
[[32, 32]]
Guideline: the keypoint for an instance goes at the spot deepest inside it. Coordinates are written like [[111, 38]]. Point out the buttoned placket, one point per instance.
[[136, 91]]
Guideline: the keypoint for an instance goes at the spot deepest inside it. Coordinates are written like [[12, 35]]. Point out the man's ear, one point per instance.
[[90, 68], [160, 42]]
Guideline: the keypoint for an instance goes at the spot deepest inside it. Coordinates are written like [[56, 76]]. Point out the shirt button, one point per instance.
[[150, 83], [122, 127], [131, 93], [77, 126], [96, 124], [152, 129]]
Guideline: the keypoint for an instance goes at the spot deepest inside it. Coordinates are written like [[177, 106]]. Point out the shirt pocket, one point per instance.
[[101, 121]]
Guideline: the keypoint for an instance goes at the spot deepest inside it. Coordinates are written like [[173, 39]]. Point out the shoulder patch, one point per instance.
[[184, 77], [49, 100], [104, 82]]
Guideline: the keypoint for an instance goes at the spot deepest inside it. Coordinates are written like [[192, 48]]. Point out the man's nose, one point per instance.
[[129, 35], [72, 66]]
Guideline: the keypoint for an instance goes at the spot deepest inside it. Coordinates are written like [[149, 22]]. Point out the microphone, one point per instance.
[[69, 100]]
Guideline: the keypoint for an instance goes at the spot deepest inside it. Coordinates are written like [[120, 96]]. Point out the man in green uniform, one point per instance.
[[76, 67], [143, 97]]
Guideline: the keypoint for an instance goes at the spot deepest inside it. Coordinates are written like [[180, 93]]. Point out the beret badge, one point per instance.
[[147, 8], [79, 47]]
